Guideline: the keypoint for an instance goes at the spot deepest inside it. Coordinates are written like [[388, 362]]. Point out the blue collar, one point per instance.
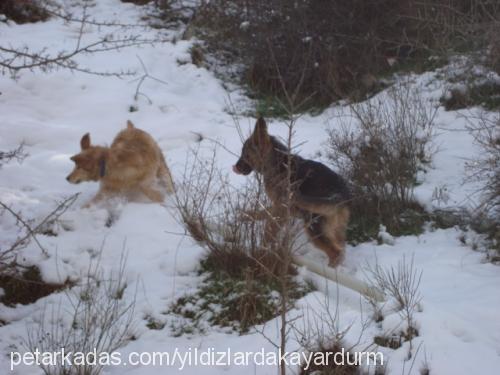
[[102, 167]]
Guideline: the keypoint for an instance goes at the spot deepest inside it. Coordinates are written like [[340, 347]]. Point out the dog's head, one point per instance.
[[255, 149], [90, 163]]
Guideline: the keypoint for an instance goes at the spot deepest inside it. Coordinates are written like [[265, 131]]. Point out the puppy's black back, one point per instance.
[[313, 179], [319, 181]]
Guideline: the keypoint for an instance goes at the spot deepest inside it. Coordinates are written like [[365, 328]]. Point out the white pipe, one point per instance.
[[340, 278], [329, 273]]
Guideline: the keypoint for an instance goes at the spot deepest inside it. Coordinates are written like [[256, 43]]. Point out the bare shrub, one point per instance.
[[98, 322], [486, 132], [29, 230], [15, 58], [333, 48], [17, 154], [325, 48], [23, 284], [320, 330], [493, 57], [219, 217], [486, 169], [245, 274], [402, 284], [381, 146]]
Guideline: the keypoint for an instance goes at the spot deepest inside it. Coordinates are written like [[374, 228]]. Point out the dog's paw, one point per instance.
[[87, 205]]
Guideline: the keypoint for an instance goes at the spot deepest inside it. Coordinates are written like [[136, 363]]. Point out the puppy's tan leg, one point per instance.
[[328, 234], [335, 230], [322, 242], [101, 195]]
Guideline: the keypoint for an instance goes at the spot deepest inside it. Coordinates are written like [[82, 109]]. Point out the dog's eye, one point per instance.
[[86, 165]]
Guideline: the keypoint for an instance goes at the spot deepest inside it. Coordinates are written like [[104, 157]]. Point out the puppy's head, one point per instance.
[[255, 150], [89, 163]]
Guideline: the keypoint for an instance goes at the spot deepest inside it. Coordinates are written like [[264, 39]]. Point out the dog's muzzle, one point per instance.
[[241, 167]]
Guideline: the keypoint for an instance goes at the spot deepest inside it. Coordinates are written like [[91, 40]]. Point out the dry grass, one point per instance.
[[332, 49], [24, 11], [486, 169], [382, 156], [26, 287], [22, 284], [95, 318], [401, 283], [244, 273], [218, 216]]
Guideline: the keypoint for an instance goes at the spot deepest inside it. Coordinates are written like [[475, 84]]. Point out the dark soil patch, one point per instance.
[[26, 287], [24, 11]]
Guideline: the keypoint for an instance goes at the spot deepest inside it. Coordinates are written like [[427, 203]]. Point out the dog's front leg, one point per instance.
[[101, 195]]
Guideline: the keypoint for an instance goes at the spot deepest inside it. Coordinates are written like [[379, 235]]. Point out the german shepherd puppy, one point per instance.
[[319, 195], [133, 164]]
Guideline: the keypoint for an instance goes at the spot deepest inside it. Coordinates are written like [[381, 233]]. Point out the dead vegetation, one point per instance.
[[382, 157], [337, 49], [93, 319], [18, 57], [26, 286], [25, 11], [401, 283], [21, 283], [486, 169], [244, 275]]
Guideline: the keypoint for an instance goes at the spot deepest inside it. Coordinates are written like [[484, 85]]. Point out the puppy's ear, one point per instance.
[[260, 132], [130, 125], [85, 141], [73, 158]]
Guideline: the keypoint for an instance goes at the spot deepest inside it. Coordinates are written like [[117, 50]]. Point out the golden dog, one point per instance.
[[132, 164]]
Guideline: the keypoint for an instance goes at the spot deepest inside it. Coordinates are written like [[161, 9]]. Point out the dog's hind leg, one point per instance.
[[328, 234], [335, 229]]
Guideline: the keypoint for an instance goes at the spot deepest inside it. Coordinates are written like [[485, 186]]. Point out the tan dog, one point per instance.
[[133, 164]]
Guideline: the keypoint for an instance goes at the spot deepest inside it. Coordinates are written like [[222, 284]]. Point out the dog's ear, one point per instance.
[[130, 125], [78, 158], [85, 141], [260, 132]]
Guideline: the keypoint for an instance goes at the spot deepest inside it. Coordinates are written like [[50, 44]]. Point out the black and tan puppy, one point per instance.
[[319, 195]]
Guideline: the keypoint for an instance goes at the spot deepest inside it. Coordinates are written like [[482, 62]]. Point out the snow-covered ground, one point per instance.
[[459, 324]]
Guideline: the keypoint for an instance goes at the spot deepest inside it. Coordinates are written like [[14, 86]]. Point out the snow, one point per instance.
[[459, 324]]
